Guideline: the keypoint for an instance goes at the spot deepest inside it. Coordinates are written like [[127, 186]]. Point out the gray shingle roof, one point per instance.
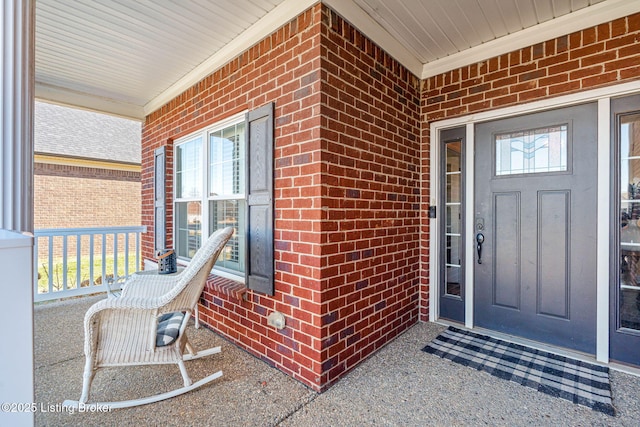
[[79, 133]]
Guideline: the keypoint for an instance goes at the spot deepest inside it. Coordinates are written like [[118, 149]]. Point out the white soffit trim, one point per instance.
[[584, 18], [283, 13], [370, 28], [67, 97]]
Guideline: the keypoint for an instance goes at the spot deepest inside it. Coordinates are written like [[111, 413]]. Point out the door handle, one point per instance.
[[479, 241]]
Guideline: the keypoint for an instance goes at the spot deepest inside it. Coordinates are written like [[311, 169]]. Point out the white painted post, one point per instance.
[[16, 114], [16, 314], [16, 209]]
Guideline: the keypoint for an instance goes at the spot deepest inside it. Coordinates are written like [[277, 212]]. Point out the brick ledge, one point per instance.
[[227, 287]]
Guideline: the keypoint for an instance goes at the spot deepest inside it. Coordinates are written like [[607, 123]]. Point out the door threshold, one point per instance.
[[560, 351], [621, 367]]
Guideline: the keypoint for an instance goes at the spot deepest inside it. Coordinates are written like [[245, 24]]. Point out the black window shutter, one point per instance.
[[159, 199], [259, 267]]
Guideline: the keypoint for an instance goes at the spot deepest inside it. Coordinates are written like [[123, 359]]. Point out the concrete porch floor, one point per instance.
[[399, 385]]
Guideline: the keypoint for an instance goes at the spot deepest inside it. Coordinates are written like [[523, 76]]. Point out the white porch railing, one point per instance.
[[80, 261]]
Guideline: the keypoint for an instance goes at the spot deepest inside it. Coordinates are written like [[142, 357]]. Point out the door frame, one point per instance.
[[603, 97], [618, 336]]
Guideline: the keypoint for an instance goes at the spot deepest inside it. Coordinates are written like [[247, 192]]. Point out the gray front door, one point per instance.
[[535, 212]]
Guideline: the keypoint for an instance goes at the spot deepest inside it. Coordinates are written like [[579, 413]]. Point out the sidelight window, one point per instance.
[[629, 292], [453, 219]]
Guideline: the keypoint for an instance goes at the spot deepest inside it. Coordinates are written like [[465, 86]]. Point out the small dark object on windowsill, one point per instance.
[[167, 261]]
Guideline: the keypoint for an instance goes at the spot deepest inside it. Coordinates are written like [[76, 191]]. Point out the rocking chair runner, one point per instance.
[[146, 324]]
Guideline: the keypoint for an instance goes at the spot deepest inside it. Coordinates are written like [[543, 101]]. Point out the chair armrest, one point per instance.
[[92, 316], [131, 321], [148, 285]]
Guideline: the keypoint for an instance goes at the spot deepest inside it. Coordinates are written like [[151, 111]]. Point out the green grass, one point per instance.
[[72, 269]]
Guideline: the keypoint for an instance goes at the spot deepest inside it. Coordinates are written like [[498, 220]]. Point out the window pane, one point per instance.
[[453, 187], [189, 169], [226, 161], [453, 222], [188, 228], [453, 157], [532, 151], [229, 213], [454, 280], [630, 222], [453, 270]]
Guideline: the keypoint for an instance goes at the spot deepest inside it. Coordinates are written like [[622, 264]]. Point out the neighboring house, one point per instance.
[[342, 237], [87, 170]]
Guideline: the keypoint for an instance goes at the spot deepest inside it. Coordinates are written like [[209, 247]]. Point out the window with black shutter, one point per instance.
[[224, 177]]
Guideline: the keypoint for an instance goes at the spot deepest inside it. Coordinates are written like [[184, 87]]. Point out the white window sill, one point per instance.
[[152, 265]]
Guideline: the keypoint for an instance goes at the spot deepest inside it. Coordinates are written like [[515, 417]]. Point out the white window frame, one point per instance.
[[183, 199], [205, 197]]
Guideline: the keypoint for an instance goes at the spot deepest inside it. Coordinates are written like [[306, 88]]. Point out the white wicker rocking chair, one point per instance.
[[146, 325]]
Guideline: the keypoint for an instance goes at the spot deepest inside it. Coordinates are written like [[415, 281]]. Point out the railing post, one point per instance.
[[64, 262], [126, 254], [50, 265], [138, 263], [115, 258], [78, 260], [91, 279], [104, 261]]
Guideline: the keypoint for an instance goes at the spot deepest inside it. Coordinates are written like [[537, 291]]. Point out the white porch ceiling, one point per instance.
[[130, 57], [434, 29]]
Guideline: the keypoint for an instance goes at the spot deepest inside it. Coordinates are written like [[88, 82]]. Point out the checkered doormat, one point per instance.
[[579, 382]]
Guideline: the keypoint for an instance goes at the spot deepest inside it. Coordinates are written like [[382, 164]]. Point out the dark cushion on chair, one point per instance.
[[168, 328]]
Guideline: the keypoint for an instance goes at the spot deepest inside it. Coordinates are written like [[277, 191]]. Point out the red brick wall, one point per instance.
[[370, 132], [346, 193], [283, 68], [599, 56]]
